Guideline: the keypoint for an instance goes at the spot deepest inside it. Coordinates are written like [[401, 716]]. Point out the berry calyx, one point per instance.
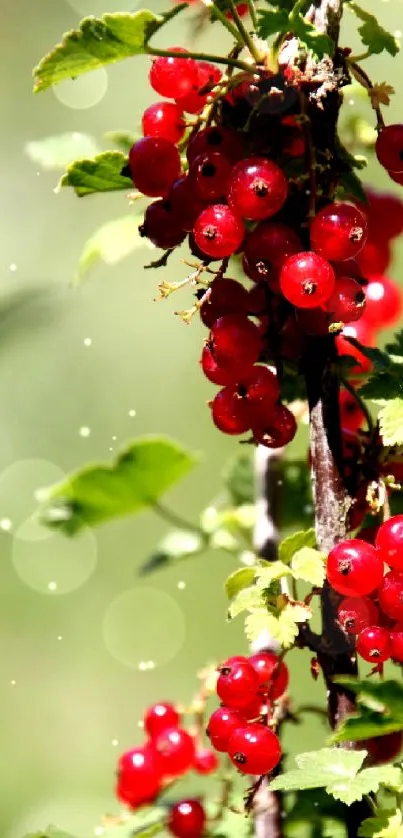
[[175, 749], [357, 613], [254, 749], [173, 77], [154, 164], [338, 232], [218, 231], [373, 644], [257, 188], [216, 138], [164, 119], [354, 568], [307, 280], [187, 819], [221, 726], [209, 175], [159, 717], [237, 684], [138, 780], [389, 148]]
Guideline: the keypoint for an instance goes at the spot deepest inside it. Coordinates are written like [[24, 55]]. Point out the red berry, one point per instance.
[[273, 673], [385, 214], [266, 249], [313, 321], [173, 77], [362, 332], [396, 643], [227, 296], [354, 568], [187, 819], [218, 231], [373, 644], [389, 148], [307, 280], [384, 302], [254, 749], [221, 726], [384, 748], [347, 302], [235, 339], [154, 165], [206, 761], [391, 595], [351, 415], [213, 371], [159, 717], [208, 75], [230, 413], [185, 206], [277, 429], [338, 232], [237, 684], [138, 777], [175, 750], [164, 119], [209, 175], [216, 138], [160, 225], [257, 188], [375, 256], [357, 613], [389, 541], [397, 177]]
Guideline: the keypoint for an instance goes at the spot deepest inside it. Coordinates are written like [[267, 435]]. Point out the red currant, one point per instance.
[[362, 332], [176, 750], [209, 174], [385, 214], [235, 339], [187, 819], [138, 777], [375, 256], [266, 249], [277, 429], [384, 302], [397, 177], [351, 415], [227, 296], [373, 644], [389, 148], [216, 138], [389, 541], [230, 413], [206, 761], [221, 726], [185, 206], [173, 77], [164, 119], [338, 232], [160, 225], [354, 568], [237, 684], [347, 302], [391, 594], [208, 75], [218, 231], [257, 188], [396, 643], [273, 673], [214, 372], [154, 165], [384, 748], [159, 717], [357, 613], [307, 280], [254, 749]]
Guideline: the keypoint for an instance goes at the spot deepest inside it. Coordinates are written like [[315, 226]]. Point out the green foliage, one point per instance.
[[176, 546], [295, 542], [269, 572], [278, 21], [59, 151], [273, 22], [102, 174], [386, 824], [391, 422], [237, 581], [283, 627], [308, 564], [379, 709], [386, 388], [140, 475], [247, 599], [373, 35], [111, 243]]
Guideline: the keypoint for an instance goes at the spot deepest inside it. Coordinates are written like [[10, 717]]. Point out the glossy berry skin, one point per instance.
[[254, 749], [163, 119], [354, 568], [273, 673], [351, 415], [160, 225], [159, 717], [216, 138], [138, 780], [186, 207], [347, 302], [173, 77], [396, 643], [389, 148], [237, 684], [214, 371], [266, 249], [277, 429], [386, 748], [187, 819], [221, 726], [357, 613], [391, 595], [154, 164], [208, 75], [259, 389], [235, 339], [230, 413], [227, 296], [209, 175], [175, 749], [218, 231], [362, 332], [373, 644], [307, 280], [384, 302], [375, 256], [206, 761], [338, 232], [389, 542], [257, 189]]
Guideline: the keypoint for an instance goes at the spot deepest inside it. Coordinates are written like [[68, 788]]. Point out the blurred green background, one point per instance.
[[82, 370]]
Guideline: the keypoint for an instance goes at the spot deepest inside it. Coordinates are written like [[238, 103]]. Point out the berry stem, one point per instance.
[[200, 56], [252, 13], [219, 15], [248, 41], [176, 520]]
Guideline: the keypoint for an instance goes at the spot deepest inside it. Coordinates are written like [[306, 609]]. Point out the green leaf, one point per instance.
[[140, 475], [247, 599], [111, 243], [59, 151], [379, 710], [288, 622], [102, 174], [318, 769], [373, 35], [237, 581], [238, 478], [295, 542], [97, 43], [174, 547], [367, 781], [386, 824], [391, 422], [272, 22], [122, 139], [260, 622], [319, 43], [269, 573], [308, 564], [396, 346]]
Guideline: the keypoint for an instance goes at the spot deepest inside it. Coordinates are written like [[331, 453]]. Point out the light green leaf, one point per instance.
[[111, 243], [379, 709], [318, 769], [259, 622], [373, 35], [308, 564], [237, 581], [175, 547], [295, 542], [318, 42], [272, 22], [386, 824], [391, 422], [140, 475], [61, 150], [97, 43], [349, 791], [269, 573], [102, 174], [247, 599]]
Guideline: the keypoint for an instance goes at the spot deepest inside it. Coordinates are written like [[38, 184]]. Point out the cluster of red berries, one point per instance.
[[169, 752], [373, 604], [389, 151], [248, 688]]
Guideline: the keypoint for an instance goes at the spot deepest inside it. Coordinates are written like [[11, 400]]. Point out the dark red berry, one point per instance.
[[254, 749], [237, 684], [362, 332], [175, 750], [276, 429], [185, 206], [208, 75], [173, 77], [375, 256], [389, 148], [138, 780], [391, 595], [206, 761], [257, 188], [221, 726], [351, 415], [218, 231], [266, 249], [209, 175], [347, 302], [160, 225], [354, 568], [389, 542], [187, 819], [273, 673], [357, 613], [235, 339], [227, 296], [216, 138], [384, 302], [230, 413], [384, 748], [373, 644], [338, 232], [159, 717], [154, 165], [307, 280], [214, 372], [164, 119]]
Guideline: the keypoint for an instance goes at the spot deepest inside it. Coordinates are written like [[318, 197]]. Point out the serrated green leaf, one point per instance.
[[386, 824], [272, 22], [259, 622], [267, 574], [395, 347], [384, 385], [111, 243], [237, 581], [391, 422], [378, 358], [319, 43], [174, 547], [97, 43], [287, 623], [102, 174], [247, 599], [367, 781], [139, 476], [60, 150], [379, 710], [373, 35], [308, 564], [318, 769], [290, 545]]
